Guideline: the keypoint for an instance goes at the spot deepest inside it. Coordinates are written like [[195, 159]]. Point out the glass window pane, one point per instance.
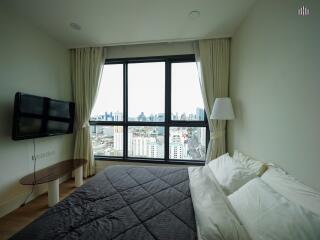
[[146, 141], [107, 140], [186, 99], [146, 92], [109, 102], [187, 143]]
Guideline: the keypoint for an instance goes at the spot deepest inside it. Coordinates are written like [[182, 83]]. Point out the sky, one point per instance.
[[146, 89]]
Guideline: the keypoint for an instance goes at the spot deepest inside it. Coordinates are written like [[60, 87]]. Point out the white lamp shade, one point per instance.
[[222, 109]]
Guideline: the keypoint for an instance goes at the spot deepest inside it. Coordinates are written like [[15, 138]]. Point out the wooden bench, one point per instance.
[[52, 174]]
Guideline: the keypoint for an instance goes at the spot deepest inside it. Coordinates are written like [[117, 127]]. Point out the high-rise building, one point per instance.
[[154, 148], [118, 116], [108, 116], [138, 146], [151, 118], [202, 136], [118, 139], [176, 148], [176, 151], [93, 130], [199, 114], [144, 142], [99, 130]]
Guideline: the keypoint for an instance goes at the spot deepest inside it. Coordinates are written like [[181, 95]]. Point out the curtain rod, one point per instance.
[[169, 41]]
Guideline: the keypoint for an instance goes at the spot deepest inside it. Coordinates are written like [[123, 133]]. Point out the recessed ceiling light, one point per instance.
[[194, 14], [75, 26]]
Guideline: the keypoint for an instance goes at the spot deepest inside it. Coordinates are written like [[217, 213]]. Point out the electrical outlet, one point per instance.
[[43, 155]]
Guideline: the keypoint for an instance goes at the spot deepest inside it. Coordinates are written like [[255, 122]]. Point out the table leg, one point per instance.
[[53, 192], [78, 176]]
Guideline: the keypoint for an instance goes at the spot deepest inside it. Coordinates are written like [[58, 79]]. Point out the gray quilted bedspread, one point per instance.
[[122, 202]]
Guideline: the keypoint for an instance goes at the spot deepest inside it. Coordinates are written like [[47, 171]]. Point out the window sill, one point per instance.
[[155, 161]]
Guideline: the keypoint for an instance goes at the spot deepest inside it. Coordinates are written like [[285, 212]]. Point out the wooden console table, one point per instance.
[[52, 174]]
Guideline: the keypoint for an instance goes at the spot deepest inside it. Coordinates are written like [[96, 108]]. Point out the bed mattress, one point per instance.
[[122, 202]]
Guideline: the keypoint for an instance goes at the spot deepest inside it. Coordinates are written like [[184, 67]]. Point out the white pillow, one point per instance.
[[257, 166], [268, 215], [230, 173], [292, 189], [215, 217]]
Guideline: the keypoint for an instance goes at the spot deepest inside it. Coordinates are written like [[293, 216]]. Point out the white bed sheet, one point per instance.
[[215, 217], [292, 189], [268, 215]]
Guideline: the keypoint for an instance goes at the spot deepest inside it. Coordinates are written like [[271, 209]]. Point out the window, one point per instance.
[[186, 99], [146, 92], [109, 102], [150, 109]]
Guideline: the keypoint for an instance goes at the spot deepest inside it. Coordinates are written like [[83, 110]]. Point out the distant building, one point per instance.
[[142, 117], [175, 116], [93, 130], [98, 117], [176, 151], [160, 117], [183, 116], [139, 146], [154, 149], [185, 142], [176, 148], [118, 139], [199, 114], [151, 118], [118, 116], [108, 116], [202, 136], [99, 130], [191, 116], [107, 131]]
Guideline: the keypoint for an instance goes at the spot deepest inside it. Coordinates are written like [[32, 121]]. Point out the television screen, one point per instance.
[[36, 116], [31, 104], [59, 109], [29, 126], [57, 127]]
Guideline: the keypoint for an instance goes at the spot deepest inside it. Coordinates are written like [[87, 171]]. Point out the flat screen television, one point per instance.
[[36, 116]]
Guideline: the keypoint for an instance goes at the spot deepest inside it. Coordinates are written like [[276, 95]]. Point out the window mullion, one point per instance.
[[167, 108], [125, 110]]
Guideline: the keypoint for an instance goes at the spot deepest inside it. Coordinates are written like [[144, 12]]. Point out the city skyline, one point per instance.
[[197, 114], [148, 142]]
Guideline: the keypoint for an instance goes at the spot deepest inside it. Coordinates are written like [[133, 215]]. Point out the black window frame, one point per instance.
[[168, 60]]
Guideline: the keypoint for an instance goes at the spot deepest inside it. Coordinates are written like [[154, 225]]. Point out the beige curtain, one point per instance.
[[86, 68], [213, 58]]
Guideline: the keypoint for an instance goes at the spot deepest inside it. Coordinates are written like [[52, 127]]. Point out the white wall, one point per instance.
[[150, 50], [275, 87], [30, 62]]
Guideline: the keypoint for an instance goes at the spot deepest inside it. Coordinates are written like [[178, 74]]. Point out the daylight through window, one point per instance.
[[150, 109]]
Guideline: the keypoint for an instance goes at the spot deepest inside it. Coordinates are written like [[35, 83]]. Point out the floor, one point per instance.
[[16, 220]]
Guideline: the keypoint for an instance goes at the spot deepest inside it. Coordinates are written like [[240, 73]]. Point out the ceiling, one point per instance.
[[119, 22]]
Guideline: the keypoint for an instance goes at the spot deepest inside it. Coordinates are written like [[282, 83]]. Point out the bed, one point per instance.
[[231, 198], [122, 202]]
